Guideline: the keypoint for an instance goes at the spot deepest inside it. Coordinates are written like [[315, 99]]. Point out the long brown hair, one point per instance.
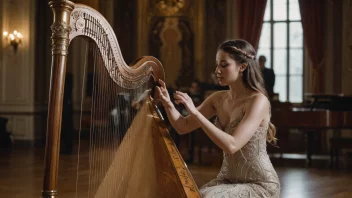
[[243, 53]]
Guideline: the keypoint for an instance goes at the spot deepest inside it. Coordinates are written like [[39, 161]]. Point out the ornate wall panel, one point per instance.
[[17, 69], [347, 48]]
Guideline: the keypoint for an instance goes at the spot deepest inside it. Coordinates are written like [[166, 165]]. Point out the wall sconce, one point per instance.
[[14, 39]]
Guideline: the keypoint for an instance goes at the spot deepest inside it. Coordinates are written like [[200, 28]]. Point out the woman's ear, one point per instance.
[[243, 67]]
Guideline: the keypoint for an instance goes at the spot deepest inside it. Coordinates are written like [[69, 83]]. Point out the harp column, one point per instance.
[[60, 42]]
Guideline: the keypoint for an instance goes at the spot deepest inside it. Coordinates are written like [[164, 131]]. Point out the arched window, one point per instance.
[[281, 42]]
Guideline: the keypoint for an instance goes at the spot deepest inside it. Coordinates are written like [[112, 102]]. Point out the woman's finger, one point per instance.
[[159, 90], [160, 93], [178, 97], [162, 83], [184, 95], [181, 95], [180, 101]]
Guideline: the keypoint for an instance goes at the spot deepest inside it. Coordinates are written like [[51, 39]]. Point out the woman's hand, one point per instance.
[[184, 99], [163, 94]]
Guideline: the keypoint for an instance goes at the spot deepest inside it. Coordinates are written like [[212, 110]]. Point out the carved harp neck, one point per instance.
[[86, 21]]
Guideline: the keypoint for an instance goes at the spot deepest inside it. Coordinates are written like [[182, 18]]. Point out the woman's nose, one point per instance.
[[217, 70]]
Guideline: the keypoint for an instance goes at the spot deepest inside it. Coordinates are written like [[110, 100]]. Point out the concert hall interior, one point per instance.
[[98, 117]]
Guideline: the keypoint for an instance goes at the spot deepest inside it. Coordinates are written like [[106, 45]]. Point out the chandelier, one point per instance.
[[170, 7]]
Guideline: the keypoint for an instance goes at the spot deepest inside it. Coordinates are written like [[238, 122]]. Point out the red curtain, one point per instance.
[[312, 14], [251, 14]]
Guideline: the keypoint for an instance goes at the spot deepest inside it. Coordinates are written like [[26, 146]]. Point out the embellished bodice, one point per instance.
[[247, 173], [251, 163]]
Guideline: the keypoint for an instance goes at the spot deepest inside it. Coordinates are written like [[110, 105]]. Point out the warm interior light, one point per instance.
[[12, 37]]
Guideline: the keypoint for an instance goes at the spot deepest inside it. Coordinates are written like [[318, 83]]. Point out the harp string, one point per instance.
[[80, 123], [105, 136]]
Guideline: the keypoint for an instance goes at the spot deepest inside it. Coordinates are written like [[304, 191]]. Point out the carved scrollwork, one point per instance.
[[75, 15], [60, 30], [77, 20], [80, 23], [86, 22]]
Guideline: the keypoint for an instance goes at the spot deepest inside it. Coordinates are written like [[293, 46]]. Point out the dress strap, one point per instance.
[[222, 95], [250, 97]]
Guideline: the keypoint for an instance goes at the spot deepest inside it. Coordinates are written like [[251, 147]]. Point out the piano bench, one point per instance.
[[337, 143]]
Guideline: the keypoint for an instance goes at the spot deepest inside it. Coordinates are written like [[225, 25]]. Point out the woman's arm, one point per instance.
[[256, 110], [181, 123]]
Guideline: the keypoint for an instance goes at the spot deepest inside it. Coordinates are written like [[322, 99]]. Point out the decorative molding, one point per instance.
[[60, 30], [348, 32], [60, 38], [170, 7]]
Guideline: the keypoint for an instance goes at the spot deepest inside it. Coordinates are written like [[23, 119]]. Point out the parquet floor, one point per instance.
[[21, 174]]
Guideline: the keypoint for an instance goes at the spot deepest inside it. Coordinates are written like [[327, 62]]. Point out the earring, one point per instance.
[[241, 73]]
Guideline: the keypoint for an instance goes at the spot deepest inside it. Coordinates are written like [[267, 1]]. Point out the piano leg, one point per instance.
[[337, 158], [310, 147], [331, 157]]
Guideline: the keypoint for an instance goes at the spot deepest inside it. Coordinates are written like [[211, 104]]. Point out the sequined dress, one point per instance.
[[246, 173]]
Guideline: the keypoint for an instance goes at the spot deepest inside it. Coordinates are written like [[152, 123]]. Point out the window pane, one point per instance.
[[294, 10], [280, 35], [280, 61], [267, 11], [280, 87], [280, 10], [265, 52], [296, 61], [296, 88], [296, 34], [265, 36]]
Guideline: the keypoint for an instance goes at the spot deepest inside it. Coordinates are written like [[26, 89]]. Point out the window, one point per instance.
[[281, 42]]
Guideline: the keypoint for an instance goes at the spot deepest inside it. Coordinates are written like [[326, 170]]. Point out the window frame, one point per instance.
[[271, 22]]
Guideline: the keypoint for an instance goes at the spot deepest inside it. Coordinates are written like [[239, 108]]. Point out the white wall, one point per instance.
[[17, 69]]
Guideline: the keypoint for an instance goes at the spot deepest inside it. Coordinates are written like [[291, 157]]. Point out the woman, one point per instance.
[[241, 128]]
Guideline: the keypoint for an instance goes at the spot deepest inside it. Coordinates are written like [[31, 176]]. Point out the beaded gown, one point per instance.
[[248, 173]]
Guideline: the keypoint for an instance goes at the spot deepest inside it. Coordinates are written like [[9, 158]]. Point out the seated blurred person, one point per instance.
[[196, 93], [268, 76], [213, 84]]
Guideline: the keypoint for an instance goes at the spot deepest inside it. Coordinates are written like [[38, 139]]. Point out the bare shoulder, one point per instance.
[[213, 99], [216, 96], [259, 102], [208, 107]]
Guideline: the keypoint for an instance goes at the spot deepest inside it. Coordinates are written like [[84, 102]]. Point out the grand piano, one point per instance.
[[317, 114]]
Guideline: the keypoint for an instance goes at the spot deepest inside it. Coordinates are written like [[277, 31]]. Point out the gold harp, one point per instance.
[[143, 161]]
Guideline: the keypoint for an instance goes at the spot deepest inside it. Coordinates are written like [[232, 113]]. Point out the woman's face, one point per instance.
[[227, 70]]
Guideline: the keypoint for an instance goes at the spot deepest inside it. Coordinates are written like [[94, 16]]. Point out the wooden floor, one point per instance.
[[21, 174]]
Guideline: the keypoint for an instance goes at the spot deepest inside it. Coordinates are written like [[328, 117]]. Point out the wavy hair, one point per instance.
[[243, 53]]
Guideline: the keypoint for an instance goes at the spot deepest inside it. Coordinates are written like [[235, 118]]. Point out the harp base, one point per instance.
[[49, 194]]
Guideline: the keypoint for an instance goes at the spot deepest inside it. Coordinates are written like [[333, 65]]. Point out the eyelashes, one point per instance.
[[225, 65], [221, 65]]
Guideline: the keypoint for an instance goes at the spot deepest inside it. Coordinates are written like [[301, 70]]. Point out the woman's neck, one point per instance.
[[239, 90]]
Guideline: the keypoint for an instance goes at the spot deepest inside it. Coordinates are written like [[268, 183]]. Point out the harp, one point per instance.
[[138, 159]]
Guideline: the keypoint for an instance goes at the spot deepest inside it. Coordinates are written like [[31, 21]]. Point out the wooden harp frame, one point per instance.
[[67, 24]]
